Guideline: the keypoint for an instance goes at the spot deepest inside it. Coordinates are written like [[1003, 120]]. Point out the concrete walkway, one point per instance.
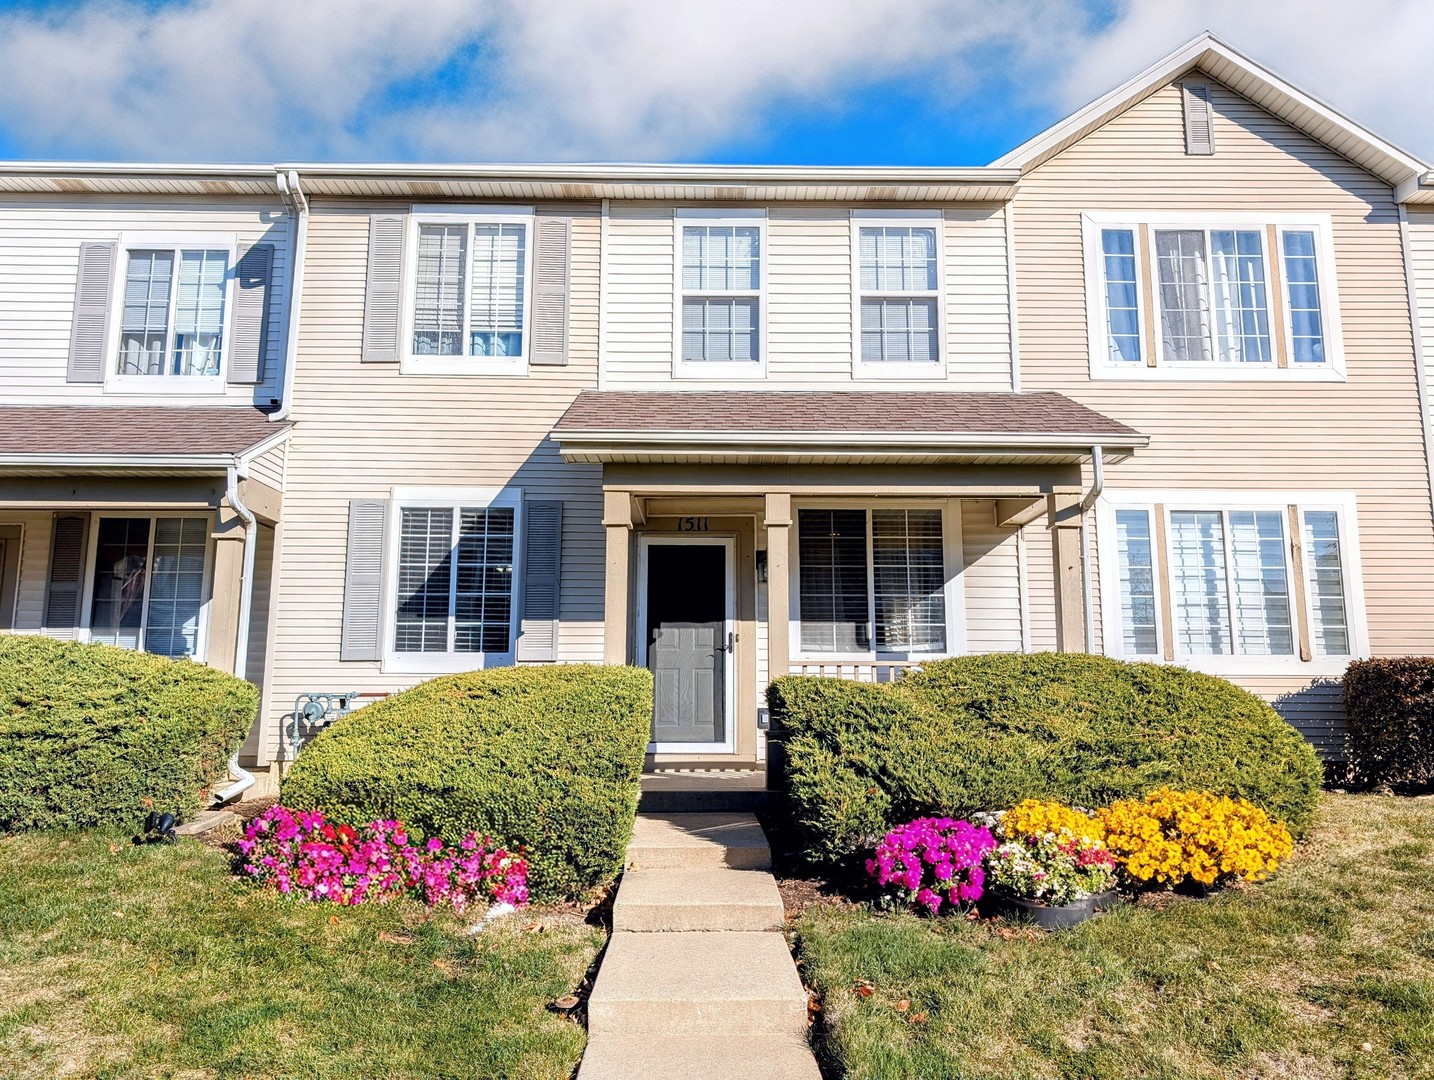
[[697, 980]]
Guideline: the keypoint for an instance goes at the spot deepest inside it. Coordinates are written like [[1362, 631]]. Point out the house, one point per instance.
[[1151, 385]]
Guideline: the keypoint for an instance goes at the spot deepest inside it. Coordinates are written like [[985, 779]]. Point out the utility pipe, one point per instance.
[[245, 779], [298, 204], [1097, 456]]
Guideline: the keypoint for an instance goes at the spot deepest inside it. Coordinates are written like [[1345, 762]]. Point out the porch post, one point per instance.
[[778, 519], [1064, 516], [617, 522], [224, 630]]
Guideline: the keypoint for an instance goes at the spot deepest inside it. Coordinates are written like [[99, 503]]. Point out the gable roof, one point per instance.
[[1273, 93]]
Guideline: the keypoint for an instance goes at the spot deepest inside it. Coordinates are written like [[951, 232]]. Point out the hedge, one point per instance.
[[96, 735], [1389, 718], [547, 758], [984, 732]]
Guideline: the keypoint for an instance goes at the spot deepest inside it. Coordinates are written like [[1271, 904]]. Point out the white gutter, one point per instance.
[[244, 779], [293, 197], [1097, 485]]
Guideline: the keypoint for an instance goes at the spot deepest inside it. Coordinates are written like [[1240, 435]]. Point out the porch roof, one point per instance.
[[910, 427], [125, 439]]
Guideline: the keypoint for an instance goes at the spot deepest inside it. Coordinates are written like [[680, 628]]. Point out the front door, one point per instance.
[[687, 643]]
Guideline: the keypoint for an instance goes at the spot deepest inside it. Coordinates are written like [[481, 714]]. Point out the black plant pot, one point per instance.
[[1047, 916]]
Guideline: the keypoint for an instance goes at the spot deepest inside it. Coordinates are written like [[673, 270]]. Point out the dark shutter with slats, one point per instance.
[[542, 567], [362, 632], [67, 575], [89, 332]]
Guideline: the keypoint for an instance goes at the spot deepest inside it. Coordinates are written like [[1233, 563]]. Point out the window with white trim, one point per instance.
[[1225, 299], [898, 283], [147, 588], [720, 285], [871, 582], [173, 305], [1222, 579], [453, 579], [469, 292]]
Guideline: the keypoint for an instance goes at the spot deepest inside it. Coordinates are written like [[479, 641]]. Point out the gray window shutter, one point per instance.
[[67, 574], [551, 258], [1199, 123], [89, 332], [362, 634], [381, 296], [251, 314], [542, 566]]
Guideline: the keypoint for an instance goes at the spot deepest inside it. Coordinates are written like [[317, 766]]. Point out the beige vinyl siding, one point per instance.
[[268, 467], [363, 429], [1361, 435], [40, 240], [34, 565], [1041, 585], [808, 279], [992, 586]]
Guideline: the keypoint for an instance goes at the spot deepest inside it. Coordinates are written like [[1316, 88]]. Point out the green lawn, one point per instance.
[[123, 961], [1325, 971]]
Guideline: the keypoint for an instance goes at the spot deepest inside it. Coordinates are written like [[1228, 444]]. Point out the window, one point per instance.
[[453, 580], [172, 311], [470, 295], [898, 289], [1226, 299], [1226, 575], [720, 285], [881, 570], [148, 589]]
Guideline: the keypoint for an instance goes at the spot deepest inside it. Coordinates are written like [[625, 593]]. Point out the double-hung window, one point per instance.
[[1249, 297], [453, 572], [871, 582], [147, 589], [720, 294], [469, 307], [898, 321], [174, 301], [1230, 582]]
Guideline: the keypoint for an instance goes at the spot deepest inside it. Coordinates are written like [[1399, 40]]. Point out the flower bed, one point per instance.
[[302, 854], [932, 863], [1049, 853]]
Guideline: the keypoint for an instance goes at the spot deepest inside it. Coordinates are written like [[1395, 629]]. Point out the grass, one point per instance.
[[123, 961], [1325, 971]]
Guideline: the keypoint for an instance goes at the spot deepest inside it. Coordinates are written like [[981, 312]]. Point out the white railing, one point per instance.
[[868, 671]]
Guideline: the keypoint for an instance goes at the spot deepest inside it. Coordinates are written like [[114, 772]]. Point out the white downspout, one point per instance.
[[293, 197], [1097, 485], [244, 778]]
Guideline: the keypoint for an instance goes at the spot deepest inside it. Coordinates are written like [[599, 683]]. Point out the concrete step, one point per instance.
[[697, 983], [698, 1057], [678, 800], [698, 841], [677, 900]]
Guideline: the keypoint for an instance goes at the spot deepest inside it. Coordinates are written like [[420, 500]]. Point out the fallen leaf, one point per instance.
[[863, 988], [1366, 1047], [397, 939], [1006, 933], [902, 1005], [443, 966], [114, 848], [333, 920], [534, 928], [566, 1003], [1213, 966], [118, 914], [1100, 971], [917, 1018]]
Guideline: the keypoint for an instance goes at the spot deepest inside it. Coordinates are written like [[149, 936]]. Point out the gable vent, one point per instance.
[[1199, 126]]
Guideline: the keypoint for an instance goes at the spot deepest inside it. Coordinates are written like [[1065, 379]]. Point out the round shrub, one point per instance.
[[544, 758], [95, 735], [984, 732]]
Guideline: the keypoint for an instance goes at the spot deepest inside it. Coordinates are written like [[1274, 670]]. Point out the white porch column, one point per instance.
[[617, 522]]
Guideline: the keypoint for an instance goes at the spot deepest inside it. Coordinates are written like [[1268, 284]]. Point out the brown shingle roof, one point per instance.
[[134, 431], [894, 412]]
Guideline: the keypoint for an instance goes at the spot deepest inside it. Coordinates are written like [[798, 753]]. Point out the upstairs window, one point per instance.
[[172, 315], [470, 293], [1228, 300], [721, 296], [898, 288]]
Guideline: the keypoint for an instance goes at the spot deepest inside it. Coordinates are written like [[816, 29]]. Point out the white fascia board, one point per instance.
[[1197, 52]]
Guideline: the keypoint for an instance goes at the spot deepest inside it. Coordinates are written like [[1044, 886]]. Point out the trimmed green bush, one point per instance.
[[95, 735], [547, 758], [984, 732], [1389, 717]]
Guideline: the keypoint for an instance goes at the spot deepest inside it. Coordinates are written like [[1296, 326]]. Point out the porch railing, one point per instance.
[[868, 671]]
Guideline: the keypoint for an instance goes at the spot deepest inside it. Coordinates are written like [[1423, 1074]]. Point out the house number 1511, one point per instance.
[[692, 524]]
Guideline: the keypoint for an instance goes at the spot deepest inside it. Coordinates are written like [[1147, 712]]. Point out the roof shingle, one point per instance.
[[137, 431]]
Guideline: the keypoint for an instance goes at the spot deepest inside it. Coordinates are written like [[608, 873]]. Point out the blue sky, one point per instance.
[[932, 82]]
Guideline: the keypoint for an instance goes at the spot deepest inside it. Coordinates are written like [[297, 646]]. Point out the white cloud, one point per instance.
[[623, 79]]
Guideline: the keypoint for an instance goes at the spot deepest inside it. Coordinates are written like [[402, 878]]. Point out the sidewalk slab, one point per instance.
[[698, 841], [698, 1057], [663, 900]]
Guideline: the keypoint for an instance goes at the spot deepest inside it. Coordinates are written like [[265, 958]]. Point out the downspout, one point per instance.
[[244, 779], [293, 196], [1097, 485]]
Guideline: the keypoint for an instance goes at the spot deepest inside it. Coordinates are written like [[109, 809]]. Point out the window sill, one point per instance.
[[443, 663], [1254, 666], [1217, 373], [164, 384], [871, 371], [464, 365], [698, 370]]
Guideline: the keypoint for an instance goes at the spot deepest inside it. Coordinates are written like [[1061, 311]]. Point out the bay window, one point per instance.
[[871, 582]]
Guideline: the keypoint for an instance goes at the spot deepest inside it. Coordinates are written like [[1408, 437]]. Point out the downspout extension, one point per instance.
[[1097, 456], [298, 205], [244, 779]]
